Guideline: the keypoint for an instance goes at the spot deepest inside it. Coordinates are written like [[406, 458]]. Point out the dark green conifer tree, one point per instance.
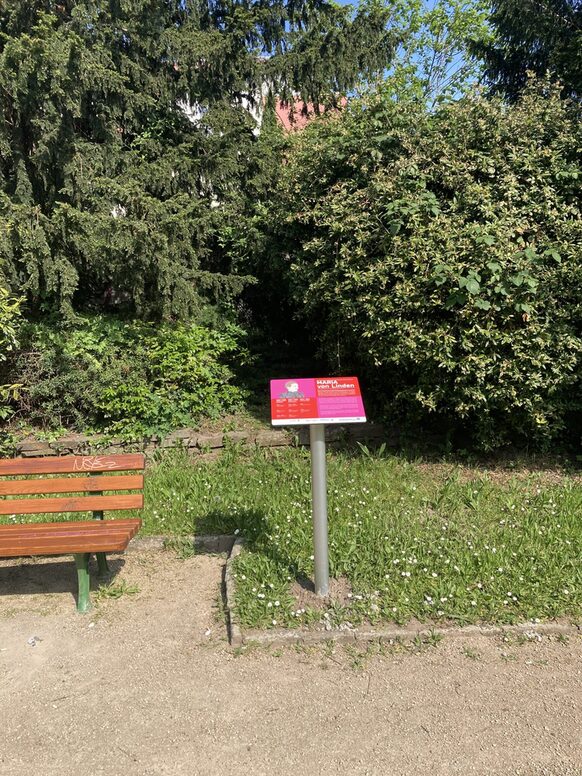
[[127, 146], [535, 36]]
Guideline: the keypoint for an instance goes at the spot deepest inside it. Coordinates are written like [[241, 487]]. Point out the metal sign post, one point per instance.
[[319, 507], [316, 402]]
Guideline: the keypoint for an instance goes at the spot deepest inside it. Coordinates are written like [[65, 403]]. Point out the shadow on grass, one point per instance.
[[249, 524], [509, 461], [253, 526]]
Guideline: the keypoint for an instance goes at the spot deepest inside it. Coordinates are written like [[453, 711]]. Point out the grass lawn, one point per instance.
[[436, 542]]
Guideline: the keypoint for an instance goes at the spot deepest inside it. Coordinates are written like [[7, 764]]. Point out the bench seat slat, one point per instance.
[[12, 538], [66, 538], [72, 463], [114, 543], [71, 485], [32, 506], [61, 539]]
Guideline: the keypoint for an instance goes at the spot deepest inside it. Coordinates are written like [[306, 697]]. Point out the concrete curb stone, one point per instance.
[[235, 635], [213, 543]]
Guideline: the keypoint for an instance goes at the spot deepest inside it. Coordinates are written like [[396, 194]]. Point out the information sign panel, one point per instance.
[[304, 401]]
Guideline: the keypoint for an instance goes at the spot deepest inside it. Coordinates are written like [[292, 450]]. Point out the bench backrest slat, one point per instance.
[[30, 506], [65, 525], [89, 474], [71, 485], [72, 463]]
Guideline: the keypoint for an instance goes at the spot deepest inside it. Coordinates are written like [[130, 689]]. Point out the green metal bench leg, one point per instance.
[[82, 564], [102, 567]]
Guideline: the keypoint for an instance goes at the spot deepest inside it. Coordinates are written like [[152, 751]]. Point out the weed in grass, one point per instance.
[[182, 546], [422, 642], [356, 657], [308, 616], [376, 452], [219, 610], [115, 590], [337, 615], [248, 648], [472, 654], [433, 639]]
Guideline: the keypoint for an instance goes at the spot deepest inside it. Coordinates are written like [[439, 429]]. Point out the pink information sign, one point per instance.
[[301, 401]]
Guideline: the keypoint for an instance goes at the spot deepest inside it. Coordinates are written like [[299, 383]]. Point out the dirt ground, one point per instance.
[[147, 684]]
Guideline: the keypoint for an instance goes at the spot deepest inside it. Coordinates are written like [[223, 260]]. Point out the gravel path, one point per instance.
[[147, 684]]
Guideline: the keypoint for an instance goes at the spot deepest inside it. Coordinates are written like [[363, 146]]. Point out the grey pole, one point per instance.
[[319, 507]]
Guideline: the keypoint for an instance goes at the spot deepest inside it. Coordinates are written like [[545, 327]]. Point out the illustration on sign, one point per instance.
[[301, 401], [292, 391]]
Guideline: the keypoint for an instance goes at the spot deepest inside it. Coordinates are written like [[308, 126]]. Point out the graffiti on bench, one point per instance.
[[92, 462]]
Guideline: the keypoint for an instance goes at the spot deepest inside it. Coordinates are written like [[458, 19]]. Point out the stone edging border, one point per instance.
[[235, 634], [199, 443], [278, 637], [213, 543]]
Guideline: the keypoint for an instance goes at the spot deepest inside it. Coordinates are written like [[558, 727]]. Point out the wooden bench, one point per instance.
[[80, 538]]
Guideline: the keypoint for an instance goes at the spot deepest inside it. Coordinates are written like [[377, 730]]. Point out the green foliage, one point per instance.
[[9, 321], [115, 590], [440, 255], [433, 61], [125, 149], [129, 378], [9, 325], [533, 37]]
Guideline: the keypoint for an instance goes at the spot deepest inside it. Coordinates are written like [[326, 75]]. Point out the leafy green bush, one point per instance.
[[129, 378], [9, 324], [440, 254], [9, 320]]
